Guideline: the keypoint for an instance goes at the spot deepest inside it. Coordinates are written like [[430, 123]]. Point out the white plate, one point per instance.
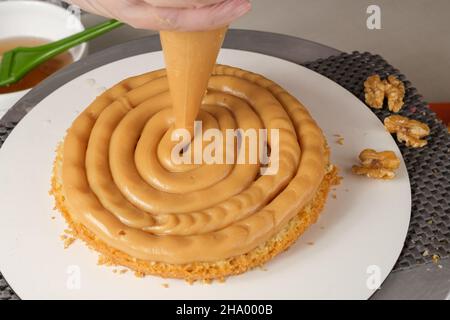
[[356, 241]]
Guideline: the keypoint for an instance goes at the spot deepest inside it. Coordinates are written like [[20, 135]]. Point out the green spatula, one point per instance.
[[16, 63]]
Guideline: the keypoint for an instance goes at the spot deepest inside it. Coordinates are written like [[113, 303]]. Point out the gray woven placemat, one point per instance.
[[428, 167]]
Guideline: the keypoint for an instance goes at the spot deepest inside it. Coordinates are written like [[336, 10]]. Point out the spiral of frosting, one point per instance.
[[120, 182]]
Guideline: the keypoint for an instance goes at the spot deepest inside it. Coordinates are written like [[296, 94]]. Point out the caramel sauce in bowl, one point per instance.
[[32, 23], [40, 72]]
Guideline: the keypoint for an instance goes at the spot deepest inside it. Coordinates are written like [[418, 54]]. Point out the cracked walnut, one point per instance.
[[376, 90], [378, 165], [409, 131]]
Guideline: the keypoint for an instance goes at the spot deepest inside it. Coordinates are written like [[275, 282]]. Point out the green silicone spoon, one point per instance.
[[16, 63]]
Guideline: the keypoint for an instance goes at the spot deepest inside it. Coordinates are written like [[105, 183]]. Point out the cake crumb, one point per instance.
[[68, 242], [310, 243], [426, 253], [53, 217], [436, 258], [123, 271], [339, 139], [122, 233], [69, 232], [104, 261], [430, 222], [337, 180], [165, 285], [334, 196], [189, 281], [222, 279], [139, 274]]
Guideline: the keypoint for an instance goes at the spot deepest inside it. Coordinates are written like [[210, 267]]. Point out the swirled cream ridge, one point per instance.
[[119, 182]]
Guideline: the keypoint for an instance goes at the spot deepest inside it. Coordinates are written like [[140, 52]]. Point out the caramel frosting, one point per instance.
[[120, 183]]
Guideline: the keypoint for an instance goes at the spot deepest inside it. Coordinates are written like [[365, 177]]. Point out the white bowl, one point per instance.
[[36, 19]]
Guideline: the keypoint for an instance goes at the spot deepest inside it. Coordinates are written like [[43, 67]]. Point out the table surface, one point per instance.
[[420, 282]]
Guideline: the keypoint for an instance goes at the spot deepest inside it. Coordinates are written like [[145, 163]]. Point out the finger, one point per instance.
[[182, 3], [145, 16]]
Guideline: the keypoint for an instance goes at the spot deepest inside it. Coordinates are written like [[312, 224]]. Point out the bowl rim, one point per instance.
[[51, 6]]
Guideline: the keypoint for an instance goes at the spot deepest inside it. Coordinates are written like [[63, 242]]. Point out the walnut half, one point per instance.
[[377, 165], [409, 131], [376, 90], [395, 92]]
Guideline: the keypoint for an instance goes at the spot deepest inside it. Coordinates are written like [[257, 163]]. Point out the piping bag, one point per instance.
[[190, 58]]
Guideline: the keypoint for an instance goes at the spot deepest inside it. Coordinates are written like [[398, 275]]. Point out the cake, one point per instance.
[[120, 194]]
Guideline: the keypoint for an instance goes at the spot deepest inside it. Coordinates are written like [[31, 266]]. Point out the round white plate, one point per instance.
[[346, 255]]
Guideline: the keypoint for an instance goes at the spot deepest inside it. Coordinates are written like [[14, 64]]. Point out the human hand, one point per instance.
[[181, 15]]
